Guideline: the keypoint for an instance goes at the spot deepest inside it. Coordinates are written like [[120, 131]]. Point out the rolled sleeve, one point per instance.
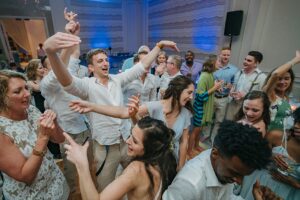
[[78, 87]]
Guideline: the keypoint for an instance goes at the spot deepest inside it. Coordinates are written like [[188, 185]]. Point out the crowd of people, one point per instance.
[[147, 121]]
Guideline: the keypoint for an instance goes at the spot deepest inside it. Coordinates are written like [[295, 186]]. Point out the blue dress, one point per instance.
[[183, 121]]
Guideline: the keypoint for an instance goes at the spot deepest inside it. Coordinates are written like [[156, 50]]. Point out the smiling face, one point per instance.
[[187, 95], [161, 59], [100, 65], [224, 57], [135, 142], [253, 110], [189, 57], [283, 83], [40, 71], [229, 170], [18, 95], [249, 63]]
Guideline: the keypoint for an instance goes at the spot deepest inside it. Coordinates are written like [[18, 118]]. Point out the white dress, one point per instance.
[[49, 183]]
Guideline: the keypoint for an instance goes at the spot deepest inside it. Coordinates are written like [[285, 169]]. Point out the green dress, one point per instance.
[[203, 104], [280, 115]]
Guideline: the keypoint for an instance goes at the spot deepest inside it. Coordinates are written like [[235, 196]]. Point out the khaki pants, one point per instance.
[[70, 171], [117, 154], [220, 105]]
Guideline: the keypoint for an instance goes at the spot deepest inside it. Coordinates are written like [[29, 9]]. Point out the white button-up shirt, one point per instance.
[[243, 82], [58, 100], [197, 181], [147, 90], [105, 130]]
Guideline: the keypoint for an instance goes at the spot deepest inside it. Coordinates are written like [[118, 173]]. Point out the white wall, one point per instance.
[[271, 27]]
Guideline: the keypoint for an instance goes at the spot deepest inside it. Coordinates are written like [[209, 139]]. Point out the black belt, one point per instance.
[[221, 96]]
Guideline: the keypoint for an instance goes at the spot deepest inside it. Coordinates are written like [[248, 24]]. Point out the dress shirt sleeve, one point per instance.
[[131, 74], [181, 189], [49, 83], [73, 66], [234, 197], [79, 87]]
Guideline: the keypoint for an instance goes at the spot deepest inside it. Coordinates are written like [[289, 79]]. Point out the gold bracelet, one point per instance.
[[39, 153], [161, 46]]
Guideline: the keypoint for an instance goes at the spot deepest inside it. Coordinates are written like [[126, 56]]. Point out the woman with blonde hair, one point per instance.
[[28, 169]]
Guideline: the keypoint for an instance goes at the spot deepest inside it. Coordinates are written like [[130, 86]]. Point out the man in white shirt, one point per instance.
[[173, 69], [248, 79], [211, 174], [73, 123], [104, 89]]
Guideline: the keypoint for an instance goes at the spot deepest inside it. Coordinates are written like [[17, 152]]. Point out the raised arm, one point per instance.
[[112, 111], [116, 190], [279, 71], [147, 60], [52, 46]]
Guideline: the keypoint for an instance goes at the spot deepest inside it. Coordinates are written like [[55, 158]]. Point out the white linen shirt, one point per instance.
[[198, 181], [58, 100], [243, 82], [147, 90], [105, 130]]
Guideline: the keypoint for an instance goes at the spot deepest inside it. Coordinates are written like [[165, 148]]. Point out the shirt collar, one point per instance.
[[211, 178]]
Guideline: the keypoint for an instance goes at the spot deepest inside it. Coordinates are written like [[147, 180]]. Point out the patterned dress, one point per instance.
[[49, 182]]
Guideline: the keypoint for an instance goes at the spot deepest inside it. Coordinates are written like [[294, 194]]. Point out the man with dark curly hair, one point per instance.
[[237, 151]]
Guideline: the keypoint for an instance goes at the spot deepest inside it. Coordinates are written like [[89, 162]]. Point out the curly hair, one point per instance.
[[5, 76], [175, 88], [157, 150], [31, 69], [245, 142], [255, 94]]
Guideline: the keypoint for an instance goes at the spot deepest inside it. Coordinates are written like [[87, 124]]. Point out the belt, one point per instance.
[[221, 96]]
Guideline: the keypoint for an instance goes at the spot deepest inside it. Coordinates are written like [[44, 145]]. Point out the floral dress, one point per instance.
[[49, 183]]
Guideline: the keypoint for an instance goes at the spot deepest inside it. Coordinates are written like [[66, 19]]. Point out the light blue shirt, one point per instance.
[[128, 63], [193, 71], [226, 74]]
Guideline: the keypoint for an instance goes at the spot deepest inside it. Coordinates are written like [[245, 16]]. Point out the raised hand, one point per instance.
[[47, 123], [72, 27], [70, 16], [160, 69], [81, 106], [60, 41], [169, 44], [218, 84], [133, 105], [297, 57], [76, 153], [279, 160]]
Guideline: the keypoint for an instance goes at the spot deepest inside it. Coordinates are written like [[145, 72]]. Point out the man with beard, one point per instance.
[[211, 174], [190, 68], [225, 73], [248, 79]]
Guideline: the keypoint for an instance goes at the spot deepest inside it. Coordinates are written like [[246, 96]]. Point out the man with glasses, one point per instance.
[[129, 62], [173, 70], [104, 89]]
